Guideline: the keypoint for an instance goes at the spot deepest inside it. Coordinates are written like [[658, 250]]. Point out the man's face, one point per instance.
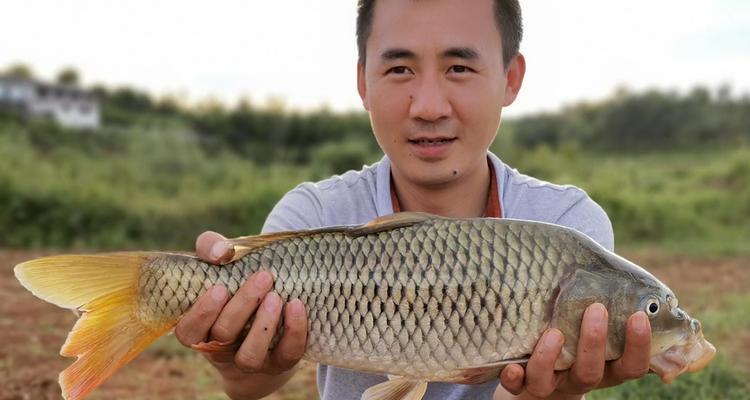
[[434, 84]]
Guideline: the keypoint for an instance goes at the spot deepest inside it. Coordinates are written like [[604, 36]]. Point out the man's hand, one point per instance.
[[590, 371], [215, 316]]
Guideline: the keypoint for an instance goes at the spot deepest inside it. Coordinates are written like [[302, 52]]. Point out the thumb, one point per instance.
[[512, 378], [213, 247]]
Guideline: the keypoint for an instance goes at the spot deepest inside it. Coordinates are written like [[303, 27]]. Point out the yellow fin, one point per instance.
[[246, 244], [396, 388], [109, 333]]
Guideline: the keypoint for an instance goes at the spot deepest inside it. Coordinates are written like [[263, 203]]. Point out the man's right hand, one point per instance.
[[217, 317]]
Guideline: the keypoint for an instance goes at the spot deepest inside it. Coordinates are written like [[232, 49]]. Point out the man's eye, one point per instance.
[[460, 69], [398, 70]]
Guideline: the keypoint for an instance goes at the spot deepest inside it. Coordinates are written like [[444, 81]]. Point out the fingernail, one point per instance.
[[219, 250], [296, 309], [596, 313], [640, 322], [271, 302], [512, 374], [218, 292], [263, 280], [553, 338]]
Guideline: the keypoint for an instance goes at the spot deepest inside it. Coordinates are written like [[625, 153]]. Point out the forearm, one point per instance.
[[254, 386]]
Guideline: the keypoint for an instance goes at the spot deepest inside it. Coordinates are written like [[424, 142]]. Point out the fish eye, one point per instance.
[[652, 307]]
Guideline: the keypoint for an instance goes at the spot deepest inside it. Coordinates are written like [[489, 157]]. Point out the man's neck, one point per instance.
[[465, 197]]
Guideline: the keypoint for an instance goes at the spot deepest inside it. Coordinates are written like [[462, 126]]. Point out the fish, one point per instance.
[[418, 297]]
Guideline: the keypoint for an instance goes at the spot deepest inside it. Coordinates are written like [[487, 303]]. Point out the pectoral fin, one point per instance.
[[396, 388]]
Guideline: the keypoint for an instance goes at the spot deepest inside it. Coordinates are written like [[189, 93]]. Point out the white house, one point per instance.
[[67, 105]]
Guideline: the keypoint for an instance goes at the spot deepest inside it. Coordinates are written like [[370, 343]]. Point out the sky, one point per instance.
[[304, 53]]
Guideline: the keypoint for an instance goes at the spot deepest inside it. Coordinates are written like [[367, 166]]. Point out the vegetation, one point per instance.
[[671, 170]]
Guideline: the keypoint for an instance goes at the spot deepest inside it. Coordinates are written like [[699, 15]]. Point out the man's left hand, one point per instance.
[[590, 369]]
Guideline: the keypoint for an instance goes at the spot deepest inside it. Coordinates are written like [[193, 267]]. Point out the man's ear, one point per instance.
[[514, 78], [362, 85]]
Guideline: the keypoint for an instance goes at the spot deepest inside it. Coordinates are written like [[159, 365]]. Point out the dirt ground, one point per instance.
[[32, 331]]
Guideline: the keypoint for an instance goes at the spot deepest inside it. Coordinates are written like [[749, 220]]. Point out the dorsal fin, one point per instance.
[[388, 222], [246, 244]]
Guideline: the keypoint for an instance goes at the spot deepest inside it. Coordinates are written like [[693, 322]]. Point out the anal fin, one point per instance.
[[396, 388], [483, 373]]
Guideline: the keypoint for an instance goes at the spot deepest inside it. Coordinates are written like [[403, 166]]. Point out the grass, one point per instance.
[[690, 202], [718, 381], [153, 188]]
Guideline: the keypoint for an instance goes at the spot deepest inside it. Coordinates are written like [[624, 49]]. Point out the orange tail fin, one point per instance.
[[109, 333]]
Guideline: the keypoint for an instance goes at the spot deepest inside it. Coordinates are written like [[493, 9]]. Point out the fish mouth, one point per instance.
[[691, 356]]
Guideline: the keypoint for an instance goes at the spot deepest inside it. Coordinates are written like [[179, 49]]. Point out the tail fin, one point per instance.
[[109, 333]]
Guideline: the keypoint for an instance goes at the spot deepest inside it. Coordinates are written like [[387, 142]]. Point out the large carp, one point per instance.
[[416, 296]]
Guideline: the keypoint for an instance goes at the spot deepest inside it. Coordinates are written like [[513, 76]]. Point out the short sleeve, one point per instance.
[[590, 218], [299, 208]]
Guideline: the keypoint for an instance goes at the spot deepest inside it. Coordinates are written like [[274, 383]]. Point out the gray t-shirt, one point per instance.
[[357, 197]]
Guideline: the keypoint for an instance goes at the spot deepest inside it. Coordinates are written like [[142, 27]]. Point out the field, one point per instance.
[[683, 212], [714, 289]]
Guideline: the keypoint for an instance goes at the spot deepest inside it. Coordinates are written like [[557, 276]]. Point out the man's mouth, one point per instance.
[[431, 142]]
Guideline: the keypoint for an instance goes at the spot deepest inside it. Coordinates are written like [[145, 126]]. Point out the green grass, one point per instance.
[[689, 202], [726, 323], [158, 187], [718, 381]]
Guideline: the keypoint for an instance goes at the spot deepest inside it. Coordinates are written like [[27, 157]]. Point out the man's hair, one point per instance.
[[507, 18]]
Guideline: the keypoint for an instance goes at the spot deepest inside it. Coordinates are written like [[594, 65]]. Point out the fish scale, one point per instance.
[[449, 294]]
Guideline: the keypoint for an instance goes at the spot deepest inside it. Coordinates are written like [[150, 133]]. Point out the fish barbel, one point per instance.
[[416, 296]]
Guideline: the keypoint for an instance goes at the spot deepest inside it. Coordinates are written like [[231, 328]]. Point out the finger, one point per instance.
[[240, 307], [194, 326], [540, 370], [213, 247], [634, 362], [252, 354], [588, 369], [291, 346], [511, 378]]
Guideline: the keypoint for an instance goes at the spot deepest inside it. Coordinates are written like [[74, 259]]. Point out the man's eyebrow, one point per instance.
[[467, 53], [397, 53]]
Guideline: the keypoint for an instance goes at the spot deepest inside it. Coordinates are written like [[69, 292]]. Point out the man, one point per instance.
[[434, 76]]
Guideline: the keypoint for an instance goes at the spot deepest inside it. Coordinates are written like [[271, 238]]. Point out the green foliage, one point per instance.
[[695, 201], [68, 76], [334, 158], [718, 381], [647, 121], [19, 71], [130, 189]]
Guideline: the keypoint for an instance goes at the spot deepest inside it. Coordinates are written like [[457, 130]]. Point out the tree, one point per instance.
[[68, 76], [20, 71]]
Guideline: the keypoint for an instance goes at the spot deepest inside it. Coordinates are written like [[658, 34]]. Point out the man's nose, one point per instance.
[[429, 101]]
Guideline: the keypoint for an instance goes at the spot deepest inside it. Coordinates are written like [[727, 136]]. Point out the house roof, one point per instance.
[[50, 90]]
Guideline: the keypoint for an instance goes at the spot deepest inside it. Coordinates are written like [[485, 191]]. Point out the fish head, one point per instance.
[[677, 341]]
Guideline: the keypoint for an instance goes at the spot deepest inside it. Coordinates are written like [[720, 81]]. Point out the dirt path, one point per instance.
[[32, 331]]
